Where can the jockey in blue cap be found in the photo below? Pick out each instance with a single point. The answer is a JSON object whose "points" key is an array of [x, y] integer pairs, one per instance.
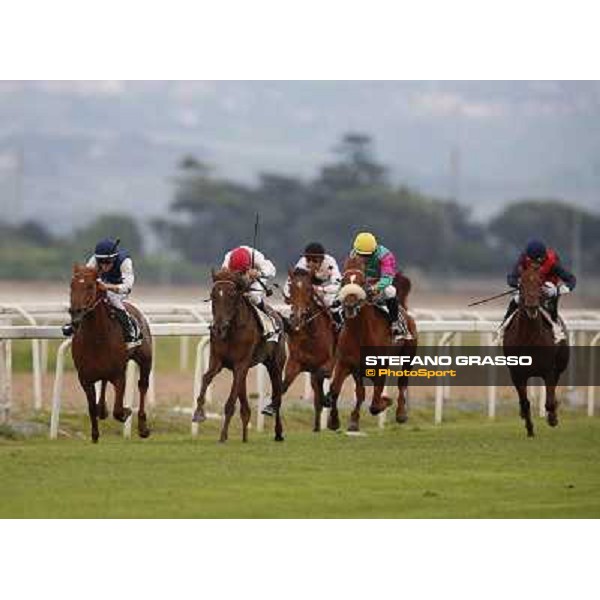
{"points": [[116, 278]]}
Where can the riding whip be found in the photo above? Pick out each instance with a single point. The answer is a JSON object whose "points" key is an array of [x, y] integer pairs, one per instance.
{"points": [[492, 298]]}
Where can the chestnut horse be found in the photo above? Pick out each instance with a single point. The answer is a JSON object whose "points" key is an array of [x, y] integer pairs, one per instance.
{"points": [[99, 350], [236, 343], [311, 338], [364, 325], [530, 331]]}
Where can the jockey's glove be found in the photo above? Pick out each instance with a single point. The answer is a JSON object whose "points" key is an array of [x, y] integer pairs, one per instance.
{"points": [[564, 289], [550, 290]]}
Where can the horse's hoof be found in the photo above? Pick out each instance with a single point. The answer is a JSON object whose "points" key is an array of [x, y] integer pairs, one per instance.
{"points": [[530, 434], [144, 433], [122, 417], [552, 420], [95, 438], [279, 438], [353, 426], [199, 416], [316, 429], [333, 422], [401, 418]]}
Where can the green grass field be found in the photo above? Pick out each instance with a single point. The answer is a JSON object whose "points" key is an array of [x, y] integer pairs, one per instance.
{"points": [[465, 468]]}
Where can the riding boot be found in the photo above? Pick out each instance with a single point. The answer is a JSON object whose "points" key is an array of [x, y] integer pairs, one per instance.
{"points": [[68, 330], [132, 336], [512, 306], [399, 328]]}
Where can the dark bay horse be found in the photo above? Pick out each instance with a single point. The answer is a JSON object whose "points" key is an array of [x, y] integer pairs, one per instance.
{"points": [[237, 344], [364, 325], [99, 350], [311, 339], [529, 333]]}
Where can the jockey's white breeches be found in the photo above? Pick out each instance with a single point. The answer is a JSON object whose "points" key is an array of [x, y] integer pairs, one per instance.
{"points": [[116, 299]]}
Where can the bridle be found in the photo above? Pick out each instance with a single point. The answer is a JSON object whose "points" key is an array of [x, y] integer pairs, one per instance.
{"points": [[238, 297], [305, 320], [87, 310]]}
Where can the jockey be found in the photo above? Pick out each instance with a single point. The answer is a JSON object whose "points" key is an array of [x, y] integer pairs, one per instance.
{"points": [[325, 275], [556, 280], [115, 272], [380, 269], [254, 265]]}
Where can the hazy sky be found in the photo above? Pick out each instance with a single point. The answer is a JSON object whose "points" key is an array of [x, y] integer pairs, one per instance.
{"points": [[88, 147]]}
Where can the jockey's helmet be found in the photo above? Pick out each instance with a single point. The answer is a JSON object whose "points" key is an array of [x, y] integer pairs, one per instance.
{"points": [[106, 249], [535, 250], [314, 250], [240, 260], [365, 243]]}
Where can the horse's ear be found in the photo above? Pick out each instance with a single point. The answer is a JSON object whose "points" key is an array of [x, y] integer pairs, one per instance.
{"points": [[290, 272], [213, 273]]}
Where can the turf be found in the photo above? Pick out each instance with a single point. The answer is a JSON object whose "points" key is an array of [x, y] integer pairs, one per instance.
{"points": [[465, 468]]}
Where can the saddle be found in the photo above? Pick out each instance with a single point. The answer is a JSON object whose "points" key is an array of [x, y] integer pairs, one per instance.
{"points": [[269, 322], [130, 325]]}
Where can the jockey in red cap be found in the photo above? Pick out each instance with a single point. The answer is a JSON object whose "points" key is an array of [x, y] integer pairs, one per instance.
{"points": [[255, 266]]}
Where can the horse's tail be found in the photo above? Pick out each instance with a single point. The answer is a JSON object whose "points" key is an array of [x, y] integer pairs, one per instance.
{"points": [[403, 287]]}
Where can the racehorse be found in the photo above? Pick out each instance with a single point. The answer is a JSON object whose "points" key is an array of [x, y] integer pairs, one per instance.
{"points": [[311, 338], [364, 325], [530, 331], [237, 344], [99, 351]]}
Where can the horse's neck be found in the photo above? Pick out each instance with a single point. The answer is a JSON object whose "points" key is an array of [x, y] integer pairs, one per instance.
{"points": [[97, 321], [531, 331], [364, 325]]}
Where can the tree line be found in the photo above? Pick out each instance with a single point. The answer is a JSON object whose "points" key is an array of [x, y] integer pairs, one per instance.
{"points": [[210, 214]]}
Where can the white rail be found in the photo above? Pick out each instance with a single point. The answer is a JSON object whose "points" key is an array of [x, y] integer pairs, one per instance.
{"points": [[448, 328]]}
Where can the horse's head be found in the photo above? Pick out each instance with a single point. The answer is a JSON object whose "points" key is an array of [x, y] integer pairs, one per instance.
{"points": [[530, 290], [226, 295], [84, 292], [352, 293], [301, 298]]}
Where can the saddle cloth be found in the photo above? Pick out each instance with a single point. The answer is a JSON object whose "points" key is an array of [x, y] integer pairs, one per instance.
{"points": [[268, 323]]}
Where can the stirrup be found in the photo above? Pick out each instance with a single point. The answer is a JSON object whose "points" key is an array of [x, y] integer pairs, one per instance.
{"points": [[134, 344]]}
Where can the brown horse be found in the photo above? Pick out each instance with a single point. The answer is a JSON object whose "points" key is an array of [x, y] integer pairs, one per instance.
{"points": [[409, 347], [311, 339], [364, 325], [529, 333], [236, 343], [99, 350]]}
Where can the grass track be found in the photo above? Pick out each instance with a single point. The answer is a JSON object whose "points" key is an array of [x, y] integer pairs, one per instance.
{"points": [[464, 468]]}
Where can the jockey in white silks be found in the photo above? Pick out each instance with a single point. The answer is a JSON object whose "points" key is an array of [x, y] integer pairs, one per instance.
{"points": [[254, 265], [325, 275], [116, 276]]}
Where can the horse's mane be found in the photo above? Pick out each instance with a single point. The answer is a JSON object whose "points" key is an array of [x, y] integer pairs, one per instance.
{"points": [[354, 262], [226, 275], [83, 270], [300, 272]]}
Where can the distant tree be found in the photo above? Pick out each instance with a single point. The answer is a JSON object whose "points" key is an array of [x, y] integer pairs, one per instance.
{"points": [[356, 167], [552, 221]]}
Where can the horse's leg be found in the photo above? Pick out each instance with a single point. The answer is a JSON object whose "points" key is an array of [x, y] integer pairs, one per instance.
{"points": [[551, 403], [275, 368], [525, 407], [102, 409], [244, 410], [214, 366], [143, 382], [359, 388], [316, 381], [120, 413], [341, 372], [402, 408], [292, 370], [380, 402], [239, 375], [90, 392]]}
